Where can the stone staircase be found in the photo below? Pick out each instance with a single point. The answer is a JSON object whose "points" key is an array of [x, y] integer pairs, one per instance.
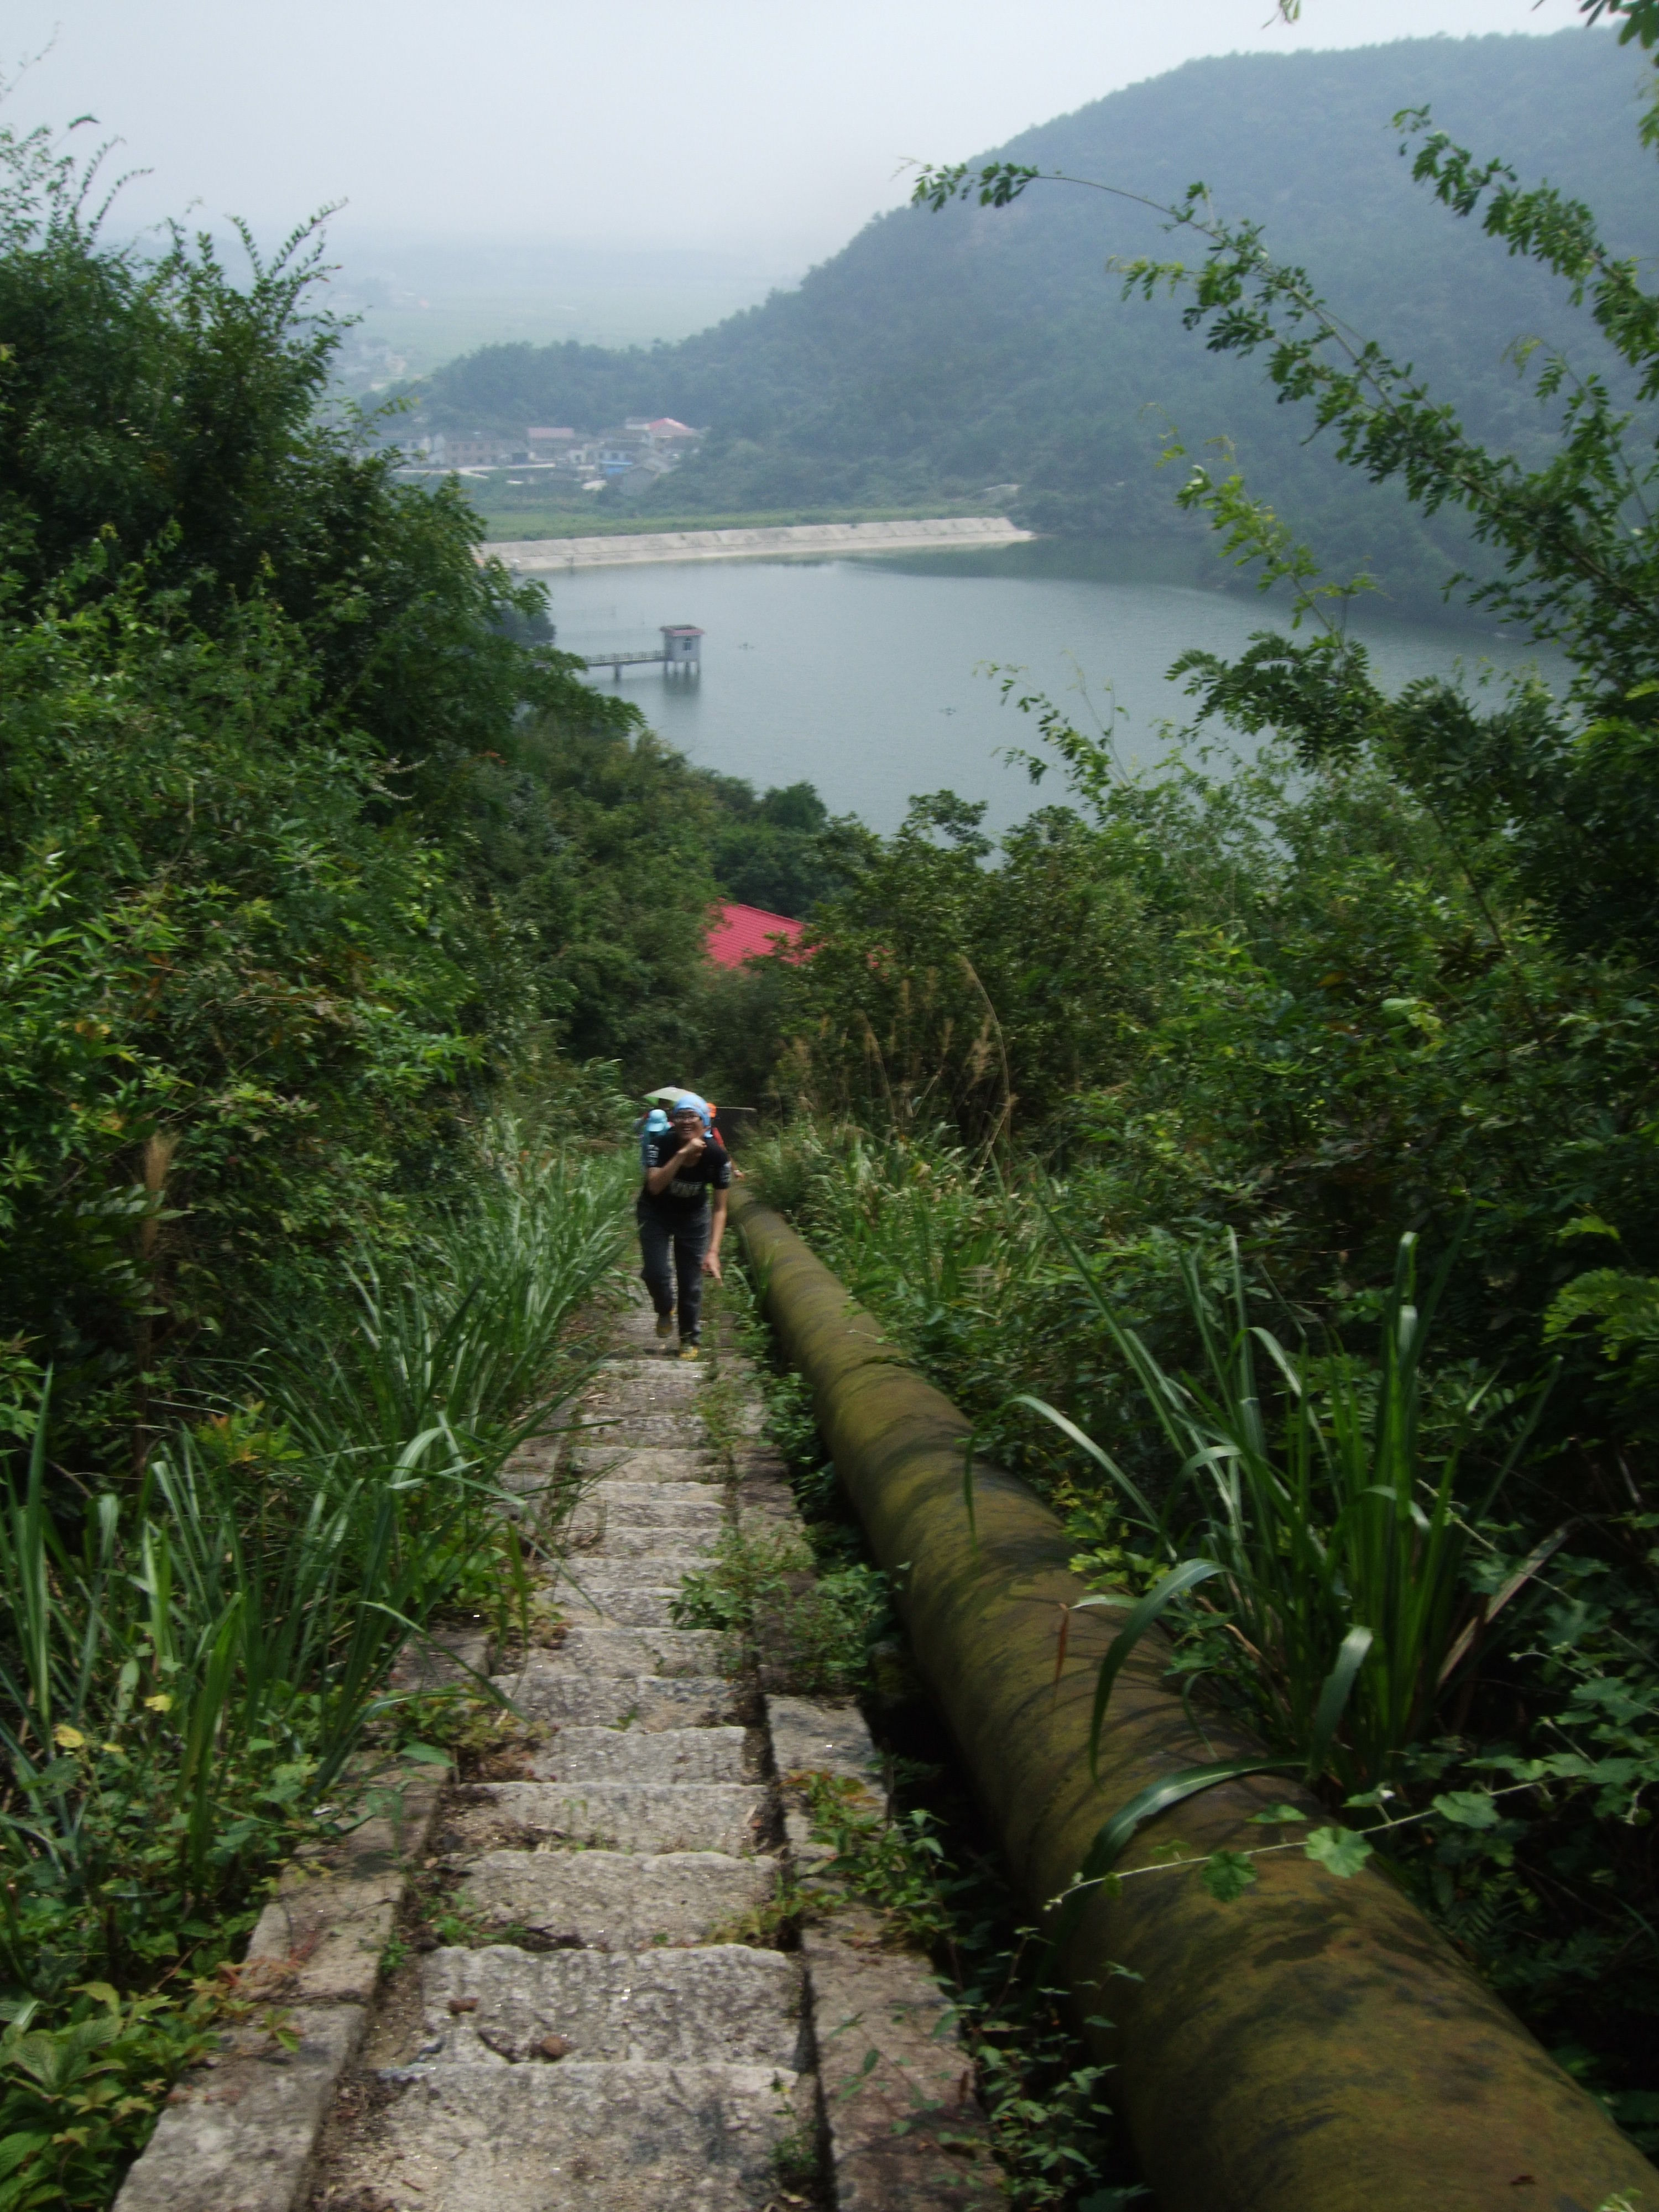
{"points": [[602, 2045], [621, 2032]]}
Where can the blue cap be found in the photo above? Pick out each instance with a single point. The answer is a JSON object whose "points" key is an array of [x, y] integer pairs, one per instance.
{"points": [[688, 1102]]}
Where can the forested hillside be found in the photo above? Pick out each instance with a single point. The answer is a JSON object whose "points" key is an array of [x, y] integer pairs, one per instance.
{"points": [[938, 356]]}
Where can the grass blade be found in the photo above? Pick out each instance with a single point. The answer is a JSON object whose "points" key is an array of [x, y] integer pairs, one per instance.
{"points": [[1333, 1695], [1185, 1577]]}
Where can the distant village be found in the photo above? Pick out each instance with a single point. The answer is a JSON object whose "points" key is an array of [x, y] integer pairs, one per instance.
{"points": [[632, 458]]}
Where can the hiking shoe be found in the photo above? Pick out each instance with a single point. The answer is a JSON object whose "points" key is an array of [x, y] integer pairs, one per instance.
{"points": [[690, 1351], [664, 1327]]}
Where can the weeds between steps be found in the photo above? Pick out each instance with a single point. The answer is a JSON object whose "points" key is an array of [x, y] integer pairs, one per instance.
{"points": [[822, 1610], [1052, 2129], [767, 1592], [923, 1860], [800, 2172]]}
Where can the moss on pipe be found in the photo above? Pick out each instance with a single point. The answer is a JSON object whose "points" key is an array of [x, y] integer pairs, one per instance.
{"points": [[1315, 2047]]}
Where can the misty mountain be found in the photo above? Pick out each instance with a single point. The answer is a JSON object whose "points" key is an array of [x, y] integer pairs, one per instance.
{"points": [[937, 356]]}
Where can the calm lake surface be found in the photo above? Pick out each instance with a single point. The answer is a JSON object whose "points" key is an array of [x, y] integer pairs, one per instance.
{"points": [[863, 677]]}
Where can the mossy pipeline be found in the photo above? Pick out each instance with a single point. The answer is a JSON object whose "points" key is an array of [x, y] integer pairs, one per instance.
{"points": [[1317, 2047]]}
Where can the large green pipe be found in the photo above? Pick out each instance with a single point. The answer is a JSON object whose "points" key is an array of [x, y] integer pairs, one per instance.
{"points": [[1314, 2047]]}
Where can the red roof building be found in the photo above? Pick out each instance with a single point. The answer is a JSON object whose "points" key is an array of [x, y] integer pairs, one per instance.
{"points": [[737, 933]]}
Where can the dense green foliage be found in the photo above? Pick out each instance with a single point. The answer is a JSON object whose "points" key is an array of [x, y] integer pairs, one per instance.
{"points": [[1397, 972], [939, 358], [248, 681], [303, 836]]}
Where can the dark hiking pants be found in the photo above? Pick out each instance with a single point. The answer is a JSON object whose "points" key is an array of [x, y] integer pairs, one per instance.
{"points": [[673, 1255]]}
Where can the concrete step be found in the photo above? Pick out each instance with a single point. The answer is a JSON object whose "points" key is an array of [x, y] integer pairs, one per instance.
{"points": [[729, 2006], [593, 1575], [640, 1342], [578, 2137], [622, 1554], [631, 1386], [638, 1327], [646, 1431], [669, 1391], [612, 1652], [619, 1816], [615, 1602], [624, 1461], [537, 1452], [678, 1550], [614, 1901], [634, 1701], [819, 1739], [648, 1506], [664, 1755], [532, 1480]]}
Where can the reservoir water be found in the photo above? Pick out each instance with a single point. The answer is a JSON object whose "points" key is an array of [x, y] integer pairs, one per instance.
{"points": [[865, 678]]}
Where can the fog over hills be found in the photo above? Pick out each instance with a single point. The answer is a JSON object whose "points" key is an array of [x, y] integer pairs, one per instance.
{"points": [[937, 356]]}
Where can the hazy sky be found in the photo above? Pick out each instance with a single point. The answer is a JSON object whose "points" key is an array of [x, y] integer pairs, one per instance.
{"points": [[761, 126]]}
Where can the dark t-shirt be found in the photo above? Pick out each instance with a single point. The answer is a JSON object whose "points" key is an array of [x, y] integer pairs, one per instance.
{"points": [[687, 1194]]}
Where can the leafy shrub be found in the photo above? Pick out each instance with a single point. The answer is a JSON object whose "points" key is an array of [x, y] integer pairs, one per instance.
{"points": [[77, 2100], [810, 1632]]}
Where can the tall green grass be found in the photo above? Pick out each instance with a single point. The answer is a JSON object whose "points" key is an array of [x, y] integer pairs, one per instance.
{"points": [[470, 1335], [1338, 1538], [188, 1667], [202, 1660], [926, 1231]]}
